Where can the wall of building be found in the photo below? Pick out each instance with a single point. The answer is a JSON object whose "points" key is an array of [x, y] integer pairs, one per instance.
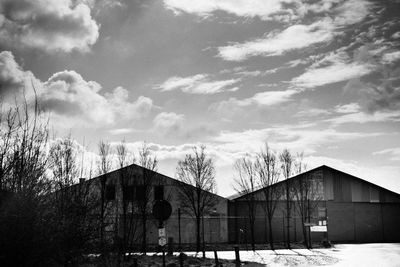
{"points": [[215, 221], [357, 211]]}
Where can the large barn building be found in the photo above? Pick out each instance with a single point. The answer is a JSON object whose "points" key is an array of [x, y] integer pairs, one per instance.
{"points": [[126, 195], [348, 208]]}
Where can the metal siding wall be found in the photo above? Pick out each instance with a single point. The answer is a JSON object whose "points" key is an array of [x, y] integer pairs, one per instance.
{"points": [[391, 222], [340, 221], [368, 222], [328, 185], [365, 192], [356, 191]]}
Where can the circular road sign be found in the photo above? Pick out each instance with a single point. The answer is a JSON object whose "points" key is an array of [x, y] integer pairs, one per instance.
{"points": [[162, 210]]}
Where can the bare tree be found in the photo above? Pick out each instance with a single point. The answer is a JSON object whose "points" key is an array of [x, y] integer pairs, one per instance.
{"points": [[23, 182], [197, 170], [245, 183], [149, 163], [129, 224], [287, 162], [72, 206], [268, 172], [103, 168]]}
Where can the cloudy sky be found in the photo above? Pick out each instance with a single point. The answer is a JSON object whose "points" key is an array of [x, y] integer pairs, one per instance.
{"points": [[321, 77]]}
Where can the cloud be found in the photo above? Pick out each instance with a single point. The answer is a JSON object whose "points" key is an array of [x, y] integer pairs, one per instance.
{"points": [[391, 57], [265, 10], [334, 68], [70, 98], [169, 123], [121, 131], [299, 36], [312, 112], [364, 117], [297, 138], [265, 99], [292, 38], [51, 25], [348, 108], [198, 84], [13, 79], [394, 153]]}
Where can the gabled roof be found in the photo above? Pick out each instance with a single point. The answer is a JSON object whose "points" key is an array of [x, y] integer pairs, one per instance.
{"points": [[133, 165], [239, 195]]}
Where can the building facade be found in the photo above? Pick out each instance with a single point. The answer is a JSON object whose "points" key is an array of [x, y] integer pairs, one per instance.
{"points": [[349, 208], [129, 194]]}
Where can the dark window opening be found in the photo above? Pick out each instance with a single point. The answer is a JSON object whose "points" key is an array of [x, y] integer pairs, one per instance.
{"points": [[128, 192], [140, 192], [158, 192], [110, 192]]}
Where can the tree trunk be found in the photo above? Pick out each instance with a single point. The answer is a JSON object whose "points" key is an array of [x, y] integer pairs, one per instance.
{"points": [[198, 233], [144, 235], [271, 238], [253, 247]]}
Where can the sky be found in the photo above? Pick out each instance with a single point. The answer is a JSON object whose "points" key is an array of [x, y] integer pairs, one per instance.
{"points": [[319, 77]]}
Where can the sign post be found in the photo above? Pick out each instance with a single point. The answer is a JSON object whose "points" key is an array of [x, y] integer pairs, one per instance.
{"points": [[162, 211]]}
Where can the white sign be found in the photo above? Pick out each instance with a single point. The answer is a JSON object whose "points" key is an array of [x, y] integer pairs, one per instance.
{"points": [[319, 228], [161, 232], [162, 241]]}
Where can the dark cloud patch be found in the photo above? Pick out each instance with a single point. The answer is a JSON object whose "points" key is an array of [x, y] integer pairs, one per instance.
{"points": [[61, 107], [12, 78], [48, 25], [386, 96]]}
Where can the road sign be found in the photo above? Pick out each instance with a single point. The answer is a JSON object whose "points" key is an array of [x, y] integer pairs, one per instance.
{"points": [[162, 241], [308, 224], [319, 228], [161, 232], [162, 210]]}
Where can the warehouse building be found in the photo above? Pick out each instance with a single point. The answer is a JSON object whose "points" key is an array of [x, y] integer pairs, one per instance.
{"points": [[126, 195], [342, 208]]}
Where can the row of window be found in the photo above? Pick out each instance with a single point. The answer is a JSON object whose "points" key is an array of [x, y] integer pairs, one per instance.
{"points": [[133, 192]]}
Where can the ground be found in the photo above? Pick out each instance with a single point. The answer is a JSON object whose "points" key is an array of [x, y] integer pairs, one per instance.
{"points": [[340, 255]]}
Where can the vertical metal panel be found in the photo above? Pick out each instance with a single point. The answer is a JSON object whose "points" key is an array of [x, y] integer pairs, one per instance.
{"points": [[346, 188], [338, 188], [374, 194], [365, 192], [328, 185], [356, 191]]}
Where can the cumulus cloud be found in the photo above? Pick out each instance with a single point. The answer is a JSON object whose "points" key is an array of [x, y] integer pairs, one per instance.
{"points": [[13, 79], [198, 84], [52, 25], [169, 123], [68, 95]]}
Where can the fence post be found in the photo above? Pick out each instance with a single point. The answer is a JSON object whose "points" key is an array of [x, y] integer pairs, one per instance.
{"points": [[237, 256], [216, 258]]}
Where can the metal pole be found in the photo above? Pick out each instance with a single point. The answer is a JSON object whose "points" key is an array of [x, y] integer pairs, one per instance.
{"points": [[179, 228], [237, 256], [204, 246]]}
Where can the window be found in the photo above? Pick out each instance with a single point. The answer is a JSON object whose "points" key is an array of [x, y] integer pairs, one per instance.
{"points": [[110, 192], [140, 192], [158, 192], [128, 192]]}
